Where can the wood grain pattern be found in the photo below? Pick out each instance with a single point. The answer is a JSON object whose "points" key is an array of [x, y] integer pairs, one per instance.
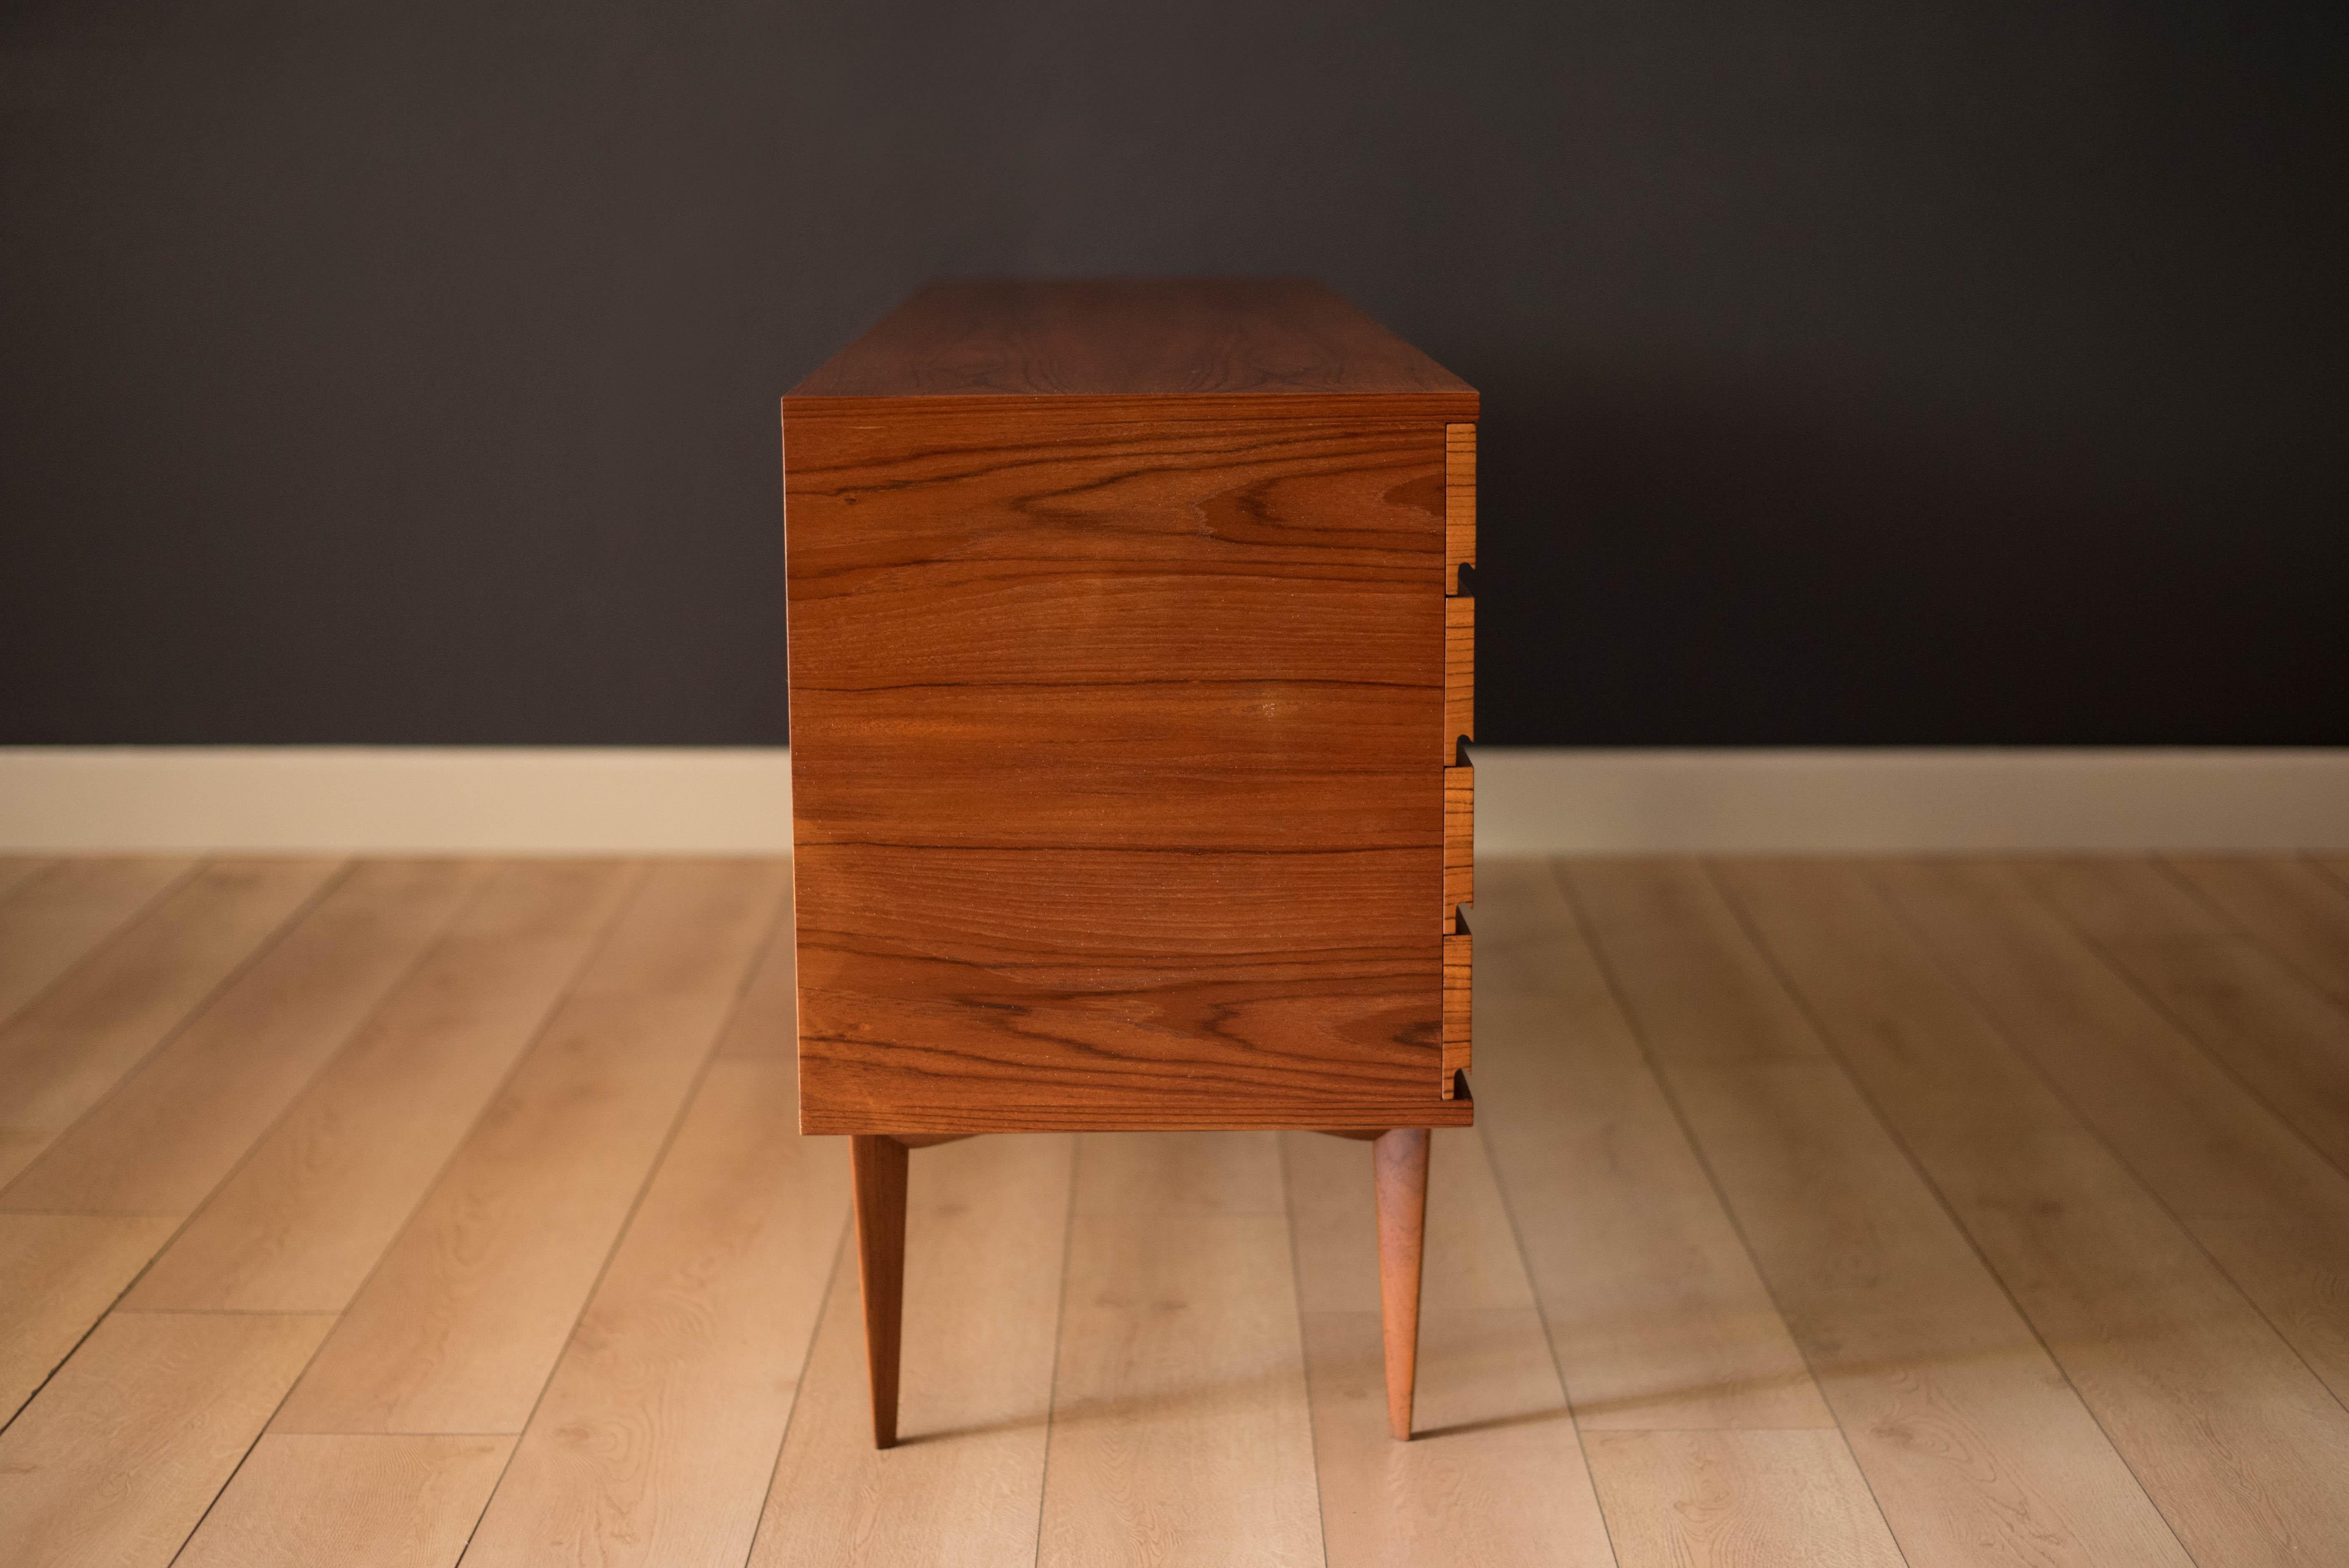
{"points": [[1279, 340], [2270, 1209], [984, 1225], [998, 991], [459, 1326], [1737, 1500], [2216, 1416], [377, 1500], [1976, 1448], [1496, 1475], [1700, 988], [879, 1163], [1459, 674], [178, 1124], [1459, 503], [1459, 1003], [312, 1208], [1255, 764], [1111, 799], [59, 1273], [115, 1460], [1459, 842], [68, 1047], [659, 1428], [2286, 903], [61, 909], [1674, 1329], [2270, 1027], [1180, 1431]]}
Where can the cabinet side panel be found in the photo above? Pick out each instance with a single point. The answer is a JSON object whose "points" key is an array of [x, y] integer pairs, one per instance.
{"points": [[1110, 796]]}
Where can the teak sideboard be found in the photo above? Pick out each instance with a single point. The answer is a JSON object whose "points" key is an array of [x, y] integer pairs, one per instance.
{"points": [[1132, 650]]}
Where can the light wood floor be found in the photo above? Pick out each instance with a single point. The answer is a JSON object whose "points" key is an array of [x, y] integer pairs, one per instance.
{"points": [[1820, 1212]]}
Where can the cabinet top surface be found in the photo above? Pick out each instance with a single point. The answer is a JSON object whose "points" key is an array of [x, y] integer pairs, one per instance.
{"points": [[1213, 337]]}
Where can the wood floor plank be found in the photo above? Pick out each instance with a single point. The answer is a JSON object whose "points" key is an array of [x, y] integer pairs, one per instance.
{"points": [[1684, 965], [64, 908], [1495, 1474], [460, 1323], [15, 869], [1655, 1312], [2285, 902], [659, 1428], [19, 1146], [1977, 1449], [766, 1023], [1964, 1429], [2232, 1434], [59, 1273], [180, 1121], [2274, 1029], [1471, 1262], [66, 1049], [2272, 1211], [987, 1219], [299, 1224], [116, 1460], [377, 1500], [1738, 1500], [323, 1195], [1180, 1428]]}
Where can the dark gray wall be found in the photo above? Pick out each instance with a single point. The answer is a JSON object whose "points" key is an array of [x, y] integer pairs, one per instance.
{"points": [[1939, 372]]}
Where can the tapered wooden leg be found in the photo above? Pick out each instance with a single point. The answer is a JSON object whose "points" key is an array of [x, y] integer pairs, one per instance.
{"points": [[1399, 1160], [880, 1166]]}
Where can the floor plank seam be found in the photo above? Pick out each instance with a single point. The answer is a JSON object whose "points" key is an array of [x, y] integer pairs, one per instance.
{"points": [[113, 935], [228, 980], [537, 1032], [2169, 1015], [2338, 875], [2277, 956], [1949, 1210], [635, 1204], [260, 1431], [196, 1211], [167, 1035], [1585, 933], [1051, 1388], [799, 1384], [586, 1301], [424, 955], [1549, 1343], [425, 1190], [189, 1218], [2030, 1062], [1297, 1281]]}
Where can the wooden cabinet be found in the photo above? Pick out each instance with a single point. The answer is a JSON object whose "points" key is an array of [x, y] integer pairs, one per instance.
{"points": [[1131, 655]]}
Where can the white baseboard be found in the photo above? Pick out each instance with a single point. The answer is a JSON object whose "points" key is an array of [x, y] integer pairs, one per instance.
{"points": [[1537, 800], [1530, 800], [404, 799]]}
